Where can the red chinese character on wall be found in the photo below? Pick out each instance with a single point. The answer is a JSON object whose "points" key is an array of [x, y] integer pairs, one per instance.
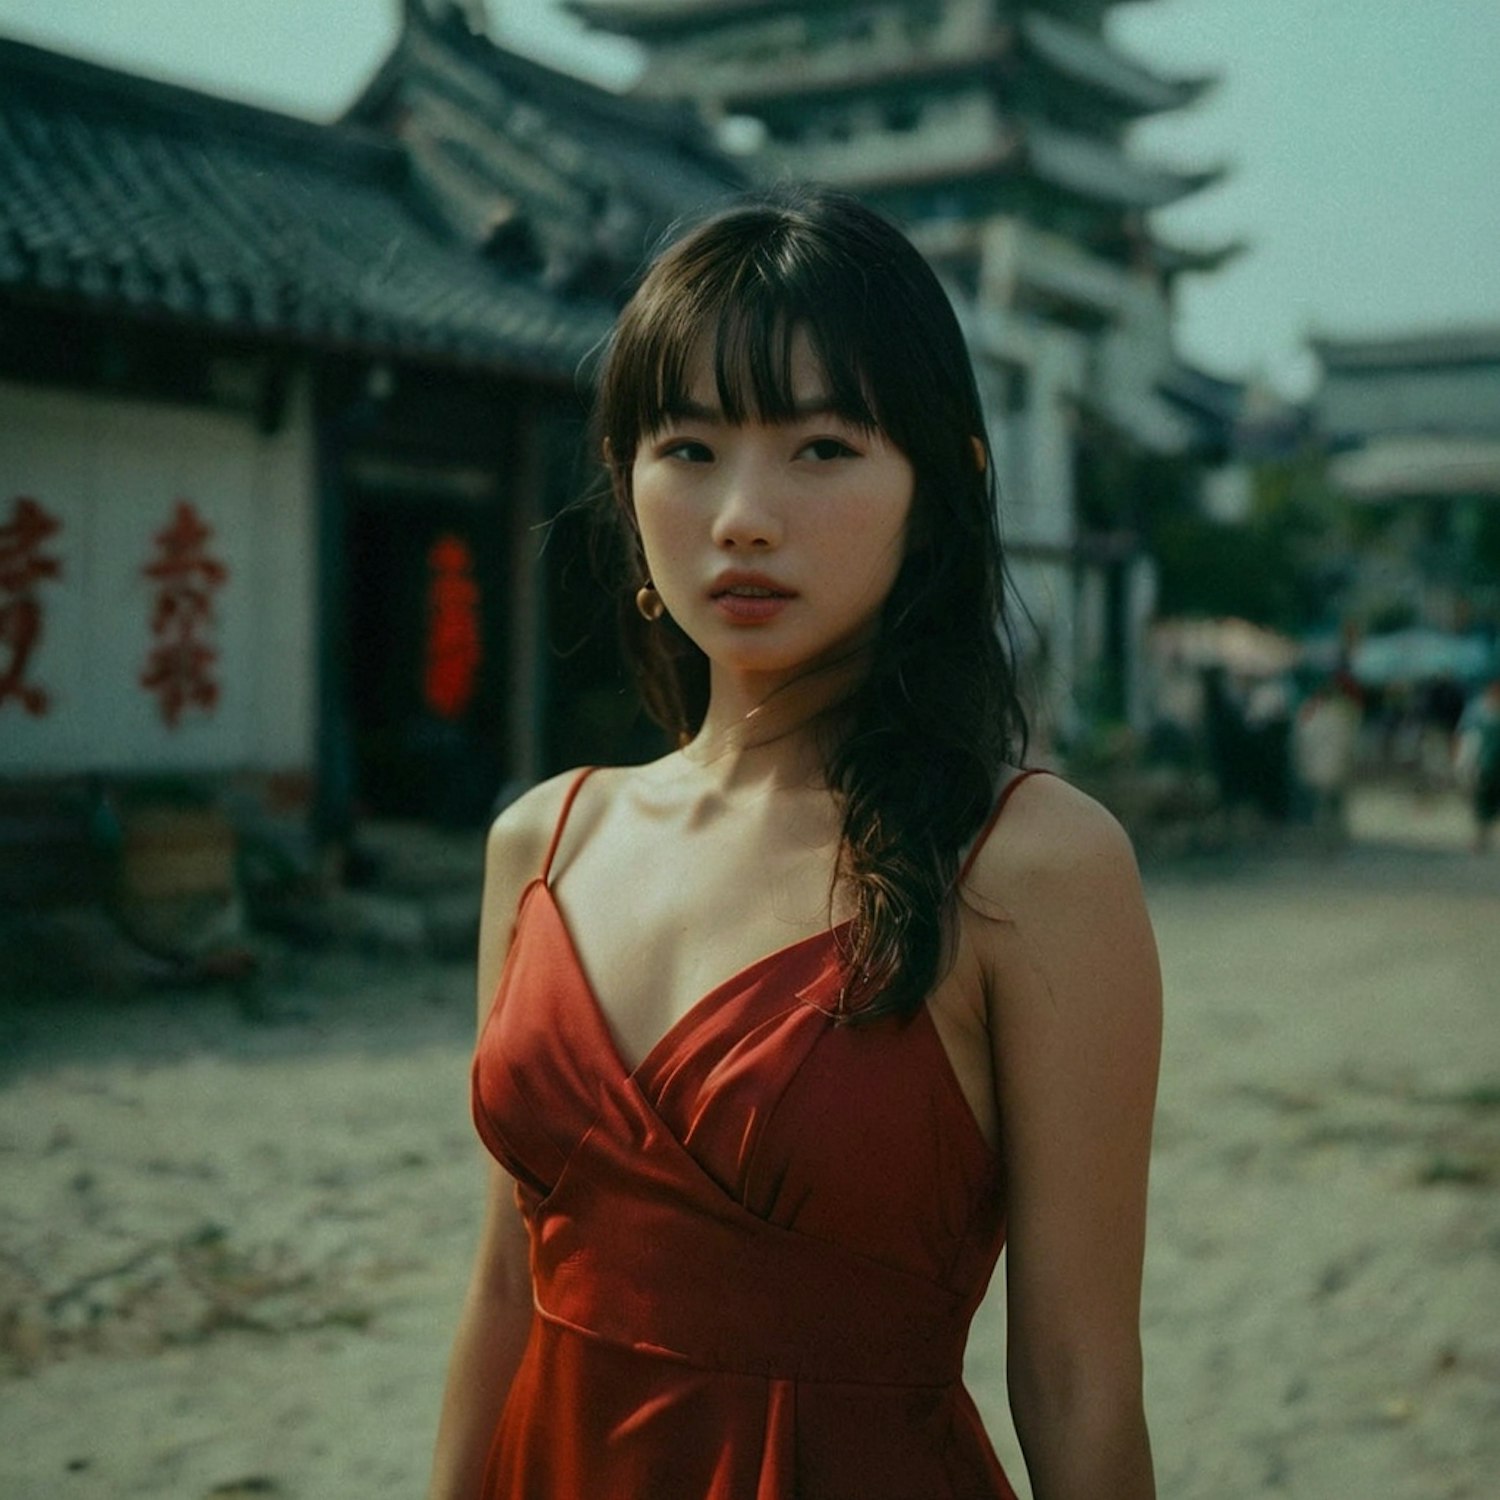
{"points": [[22, 567], [454, 642], [180, 668]]}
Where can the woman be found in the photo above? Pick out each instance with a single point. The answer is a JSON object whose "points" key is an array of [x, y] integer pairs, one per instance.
{"points": [[738, 1226]]}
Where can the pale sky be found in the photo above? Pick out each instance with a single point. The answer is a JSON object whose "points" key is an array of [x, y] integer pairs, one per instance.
{"points": [[1364, 137]]}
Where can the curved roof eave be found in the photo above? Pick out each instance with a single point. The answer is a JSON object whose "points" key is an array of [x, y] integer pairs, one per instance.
{"points": [[1088, 59]]}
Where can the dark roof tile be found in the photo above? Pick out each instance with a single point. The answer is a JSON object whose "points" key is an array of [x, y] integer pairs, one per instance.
{"points": [[124, 193]]}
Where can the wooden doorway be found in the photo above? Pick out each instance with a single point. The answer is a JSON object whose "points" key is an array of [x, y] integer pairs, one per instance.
{"points": [[427, 622]]}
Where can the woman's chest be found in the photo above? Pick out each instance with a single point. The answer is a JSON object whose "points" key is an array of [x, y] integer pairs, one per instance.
{"points": [[683, 925]]}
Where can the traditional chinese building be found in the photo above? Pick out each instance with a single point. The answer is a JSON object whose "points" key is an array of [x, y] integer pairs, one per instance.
{"points": [[285, 409], [996, 131], [1413, 427]]}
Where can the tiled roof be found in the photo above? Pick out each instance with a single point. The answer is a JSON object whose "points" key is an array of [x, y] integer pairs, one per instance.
{"points": [[647, 17], [1473, 345], [1087, 58], [129, 195], [1213, 407], [498, 140], [1173, 256], [1101, 171]]}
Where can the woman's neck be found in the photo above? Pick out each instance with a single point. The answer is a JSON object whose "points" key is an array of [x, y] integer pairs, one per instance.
{"points": [[773, 732]]}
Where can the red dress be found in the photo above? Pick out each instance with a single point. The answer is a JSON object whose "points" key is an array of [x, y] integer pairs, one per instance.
{"points": [[755, 1257]]}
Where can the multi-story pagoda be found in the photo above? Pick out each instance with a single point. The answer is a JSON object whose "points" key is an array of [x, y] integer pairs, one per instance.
{"points": [[996, 131]]}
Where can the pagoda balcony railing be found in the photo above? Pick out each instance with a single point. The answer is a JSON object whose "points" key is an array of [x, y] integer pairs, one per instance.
{"points": [[785, 57]]}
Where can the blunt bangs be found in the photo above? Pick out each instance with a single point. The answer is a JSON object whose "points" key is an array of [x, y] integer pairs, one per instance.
{"points": [[743, 292]]}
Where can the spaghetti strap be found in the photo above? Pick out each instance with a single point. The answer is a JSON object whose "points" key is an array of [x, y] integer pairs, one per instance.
{"points": [[562, 821], [994, 817]]}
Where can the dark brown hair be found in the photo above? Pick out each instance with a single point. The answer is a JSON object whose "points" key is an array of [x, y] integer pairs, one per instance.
{"points": [[923, 736]]}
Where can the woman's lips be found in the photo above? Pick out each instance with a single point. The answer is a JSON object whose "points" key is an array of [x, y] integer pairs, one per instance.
{"points": [[750, 603]]}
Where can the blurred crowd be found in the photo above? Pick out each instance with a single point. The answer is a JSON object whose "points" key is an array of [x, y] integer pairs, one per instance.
{"points": [[1288, 736]]}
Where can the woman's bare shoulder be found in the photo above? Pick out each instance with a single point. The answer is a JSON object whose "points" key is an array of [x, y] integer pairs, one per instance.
{"points": [[514, 853], [1068, 955], [1053, 853], [521, 833], [522, 830]]}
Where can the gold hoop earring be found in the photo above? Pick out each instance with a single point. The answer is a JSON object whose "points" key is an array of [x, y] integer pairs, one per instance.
{"points": [[648, 601]]}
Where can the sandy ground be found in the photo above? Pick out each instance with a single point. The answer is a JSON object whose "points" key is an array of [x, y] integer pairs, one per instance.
{"points": [[233, 1236]]}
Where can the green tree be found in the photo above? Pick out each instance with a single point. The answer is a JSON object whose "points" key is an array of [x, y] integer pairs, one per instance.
{"points": [[1284, 566]]}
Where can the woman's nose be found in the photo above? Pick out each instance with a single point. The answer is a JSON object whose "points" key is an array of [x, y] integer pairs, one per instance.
{"points": [[748, 515]]}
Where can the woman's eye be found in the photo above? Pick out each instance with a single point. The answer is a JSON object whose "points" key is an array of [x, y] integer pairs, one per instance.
{"points": [[688, 451], [826, 448]]}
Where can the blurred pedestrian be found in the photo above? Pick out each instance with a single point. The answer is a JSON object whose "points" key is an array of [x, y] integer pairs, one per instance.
{"points": [[1442, 705], [1477, 759], [1268, 719], [1323, 742]]}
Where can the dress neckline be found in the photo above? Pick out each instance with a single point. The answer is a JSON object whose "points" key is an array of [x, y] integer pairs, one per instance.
{"points": [[724, 991], [693, 1014], [710, 1000]]}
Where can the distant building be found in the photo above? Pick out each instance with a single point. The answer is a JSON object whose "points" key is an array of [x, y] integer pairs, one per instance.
{"points": [[995, 131], [284, 407], [1413, 427]]}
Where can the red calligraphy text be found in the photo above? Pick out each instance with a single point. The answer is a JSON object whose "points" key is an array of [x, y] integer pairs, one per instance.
{"points": [[23, 565], [180, 668]]}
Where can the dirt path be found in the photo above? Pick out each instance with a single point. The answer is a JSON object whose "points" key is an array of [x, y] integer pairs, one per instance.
{"points": [[231, 1251]]}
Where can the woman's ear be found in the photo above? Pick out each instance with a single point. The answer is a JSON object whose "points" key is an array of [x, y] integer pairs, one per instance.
{"points": [[981, 454]]}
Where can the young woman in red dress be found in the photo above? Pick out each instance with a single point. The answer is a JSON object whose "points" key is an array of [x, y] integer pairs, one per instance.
{"points": [[784, 1035]]}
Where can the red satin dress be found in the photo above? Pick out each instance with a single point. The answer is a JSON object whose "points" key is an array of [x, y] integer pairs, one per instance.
{"points": [[755, 1256]]}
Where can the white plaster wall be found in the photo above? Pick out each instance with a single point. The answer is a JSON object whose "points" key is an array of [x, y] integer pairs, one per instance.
{"points": [[112, 470]]}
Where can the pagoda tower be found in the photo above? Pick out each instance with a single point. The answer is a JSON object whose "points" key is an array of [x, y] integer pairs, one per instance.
{"points": [[996, 131]]}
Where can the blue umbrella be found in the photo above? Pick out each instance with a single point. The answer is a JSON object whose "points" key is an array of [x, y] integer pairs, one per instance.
{"points": [[1418, 655]]}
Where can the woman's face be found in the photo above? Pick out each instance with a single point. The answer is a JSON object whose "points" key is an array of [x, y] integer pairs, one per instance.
{"points": [[773, 545]]}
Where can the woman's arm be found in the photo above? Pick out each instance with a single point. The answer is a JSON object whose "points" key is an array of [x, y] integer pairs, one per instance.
{"points": [[1074, 1006], [497, 1312], [492, 1332]]}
